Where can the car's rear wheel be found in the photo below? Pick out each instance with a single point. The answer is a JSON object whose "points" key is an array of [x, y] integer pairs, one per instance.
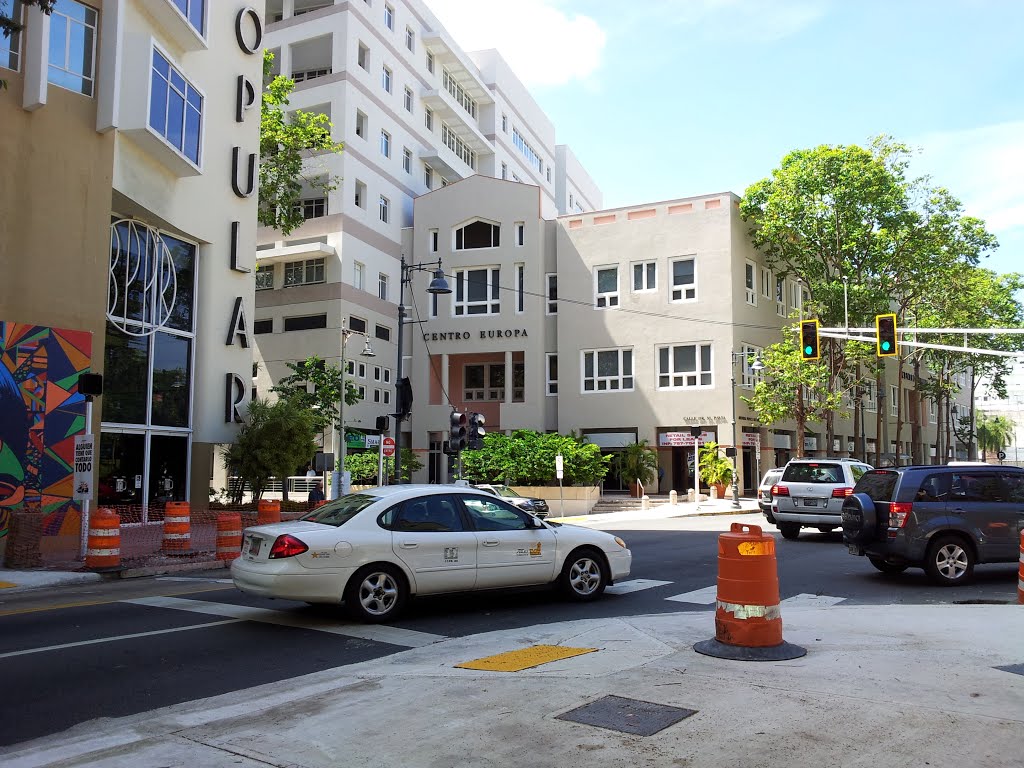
{"points": [[789, 530], [886, 567], [584, 575], [376, 593], [950, 561], [827, 528]]}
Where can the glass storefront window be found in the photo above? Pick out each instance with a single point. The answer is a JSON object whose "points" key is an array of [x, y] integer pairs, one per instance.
{"points": [[172, 358], [168, 468], [120, 468], [125, 378]]}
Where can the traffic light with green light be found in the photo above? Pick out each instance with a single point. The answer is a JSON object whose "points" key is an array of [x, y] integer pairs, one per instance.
{"points": [[809, 340], [886, 344]]}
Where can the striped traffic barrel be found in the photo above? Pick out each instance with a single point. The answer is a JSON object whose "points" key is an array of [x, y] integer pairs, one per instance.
{"points": [[103, 547], [268, 511], [229, 535], [177, 527]]}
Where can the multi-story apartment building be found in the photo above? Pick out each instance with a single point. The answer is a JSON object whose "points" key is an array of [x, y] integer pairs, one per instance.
{"points": [[1010, 407], [415, 113], [127, 245]]}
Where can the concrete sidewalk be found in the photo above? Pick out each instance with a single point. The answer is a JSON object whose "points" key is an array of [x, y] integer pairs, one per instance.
{"points": [[17, 581], [880, 686]]}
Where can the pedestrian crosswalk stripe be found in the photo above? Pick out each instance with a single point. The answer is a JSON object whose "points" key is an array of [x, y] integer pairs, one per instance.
{"points": [[705, 596], [377, 633], [805, 600], [634, 585]]}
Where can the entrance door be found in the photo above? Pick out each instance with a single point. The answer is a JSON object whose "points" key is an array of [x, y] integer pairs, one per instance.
{"points": [[683, 470], [750, 478]]}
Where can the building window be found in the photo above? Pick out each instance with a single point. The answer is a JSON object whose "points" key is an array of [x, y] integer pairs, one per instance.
{"points": [[408, 99], [645, 276], [264, 277], [428, 176], [260, 327], [486, 381], [684, 366], [606, 287], [780, 296], [310, 74], [504, 171], [362, 124], [72, 58], [363, 57], [520, 233], [432, 237], [430, 62], [477, 234], [383, 333], [175, 108], [410, 39], [389, 17], [548, 173], [382, 286], [749, 378], [460, 94], [303, 272], [306, 323], [551, 374], [551, 297], [520, 288], [894, 401], [407, 159], [477, 291], [455, 143], [608, 370], [528, 152], [356, 324], [385, 209], [870, 402], [385, 79], [504, 123], [933, 412], [428, 118], [360, 194], [684, 280], [359, 276], [385, 143], [10, 46], [795, 297], [767, 286], [749, 280], [311, 208]]}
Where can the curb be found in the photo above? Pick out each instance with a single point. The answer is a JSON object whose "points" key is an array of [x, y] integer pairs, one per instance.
{"points": [[160, 570]]}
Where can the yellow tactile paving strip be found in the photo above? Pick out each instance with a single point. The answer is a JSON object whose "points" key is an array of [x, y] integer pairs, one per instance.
{"points": [[524, 658], [7, 584]]}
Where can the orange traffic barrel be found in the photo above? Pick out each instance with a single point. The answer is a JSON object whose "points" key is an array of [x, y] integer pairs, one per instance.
{"points": [[103, 547], [229, 535], [268, 511], [748, 621], [1020, 572], [177, 528]]}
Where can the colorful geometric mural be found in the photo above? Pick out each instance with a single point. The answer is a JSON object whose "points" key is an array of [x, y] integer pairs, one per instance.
{"points": [[40, 414]]}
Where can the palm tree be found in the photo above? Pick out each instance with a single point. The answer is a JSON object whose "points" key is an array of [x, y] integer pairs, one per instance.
{"points": [[637, 462], [994, 433]]}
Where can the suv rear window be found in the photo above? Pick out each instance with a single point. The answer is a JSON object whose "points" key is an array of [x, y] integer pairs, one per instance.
{"points": [[879, 484], [813, 472]]}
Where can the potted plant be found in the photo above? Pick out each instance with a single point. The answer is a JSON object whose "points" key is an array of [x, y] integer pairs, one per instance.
{"points": [[715, 469], [637, 461]]}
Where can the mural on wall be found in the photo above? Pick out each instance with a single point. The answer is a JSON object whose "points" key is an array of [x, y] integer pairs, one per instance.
{"points": [[40, 414]]}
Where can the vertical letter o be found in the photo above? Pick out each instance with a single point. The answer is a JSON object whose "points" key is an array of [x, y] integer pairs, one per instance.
{"points": [[257, 25]]}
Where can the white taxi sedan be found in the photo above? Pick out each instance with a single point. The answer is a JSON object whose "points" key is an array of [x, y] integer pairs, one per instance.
{"points": [[374, 549]]}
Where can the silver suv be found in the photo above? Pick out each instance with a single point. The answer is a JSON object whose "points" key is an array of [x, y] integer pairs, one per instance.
{"points": [[811, 494]]}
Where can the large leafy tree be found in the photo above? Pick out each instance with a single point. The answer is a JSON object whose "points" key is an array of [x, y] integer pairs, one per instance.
{"points": [[287, 138], [528, 458], [274, 440], [325, 398], [364, 466], [994, 433]]}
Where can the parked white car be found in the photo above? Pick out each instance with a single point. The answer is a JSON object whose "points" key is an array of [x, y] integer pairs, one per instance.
{"points": [[375, 549], [764, 493]]}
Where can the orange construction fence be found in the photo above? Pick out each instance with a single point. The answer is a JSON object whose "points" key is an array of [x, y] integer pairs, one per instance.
{"points": [[103, 547], [177, 527], [1020, 572]]}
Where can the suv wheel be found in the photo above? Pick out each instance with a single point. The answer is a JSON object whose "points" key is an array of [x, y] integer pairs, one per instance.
{"points": [[789, 530], [885, 567], [950, 561]]}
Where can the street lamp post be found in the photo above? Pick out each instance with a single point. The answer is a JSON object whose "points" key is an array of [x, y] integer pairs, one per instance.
{"points": [[438, 285], [338, 475], [757, 365]]}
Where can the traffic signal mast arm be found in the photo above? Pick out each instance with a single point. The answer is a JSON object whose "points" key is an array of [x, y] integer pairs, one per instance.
{"points": [[868, 335]]}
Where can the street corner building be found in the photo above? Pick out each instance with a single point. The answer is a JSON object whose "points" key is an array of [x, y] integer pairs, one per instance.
{"points": [[130, 150]]}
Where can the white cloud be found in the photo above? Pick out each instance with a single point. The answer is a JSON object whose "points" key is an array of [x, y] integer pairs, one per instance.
{"points": [[741, 20], [544, 45], [983, 168]]}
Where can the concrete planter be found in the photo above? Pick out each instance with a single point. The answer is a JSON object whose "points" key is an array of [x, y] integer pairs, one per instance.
{"points": [[574, 500]]}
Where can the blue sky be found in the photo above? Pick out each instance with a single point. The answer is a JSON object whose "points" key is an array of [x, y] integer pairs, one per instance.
{"points": [[668, 98]]}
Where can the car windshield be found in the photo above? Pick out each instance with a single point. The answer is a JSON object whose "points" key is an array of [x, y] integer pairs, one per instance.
{"points": [[879, 484], [813, 472], [342, 510], [504, 490]]}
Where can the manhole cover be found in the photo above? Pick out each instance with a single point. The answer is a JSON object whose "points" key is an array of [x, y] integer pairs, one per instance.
{"points": [[641, 718], [1017, 669]]}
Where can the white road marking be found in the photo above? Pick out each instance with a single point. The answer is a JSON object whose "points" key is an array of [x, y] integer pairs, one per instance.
{"points": [[805, 600], [378, 633], [117, 637], [634, 585], [706, 596]]}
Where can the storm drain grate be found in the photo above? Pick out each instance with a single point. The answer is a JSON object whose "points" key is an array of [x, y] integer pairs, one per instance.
{"points": [[1017, 669], [641, 718]]}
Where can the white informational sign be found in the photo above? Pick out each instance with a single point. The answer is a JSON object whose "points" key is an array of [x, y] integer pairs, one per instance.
{"points": [[674, 439], [559, 467], [84, 446], [372, 441]]}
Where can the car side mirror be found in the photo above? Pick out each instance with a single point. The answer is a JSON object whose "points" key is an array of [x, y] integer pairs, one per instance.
{"points": [[533, 522]]}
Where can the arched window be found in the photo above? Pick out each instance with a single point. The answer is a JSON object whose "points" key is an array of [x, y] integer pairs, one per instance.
{"points": [[477, 234]]}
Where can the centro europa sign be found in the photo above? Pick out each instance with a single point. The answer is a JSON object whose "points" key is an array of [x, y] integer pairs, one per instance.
{"points": [[499, 333]]}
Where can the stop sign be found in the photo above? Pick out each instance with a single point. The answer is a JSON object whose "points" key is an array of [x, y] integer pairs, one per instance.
{"points": [[388, 446]]}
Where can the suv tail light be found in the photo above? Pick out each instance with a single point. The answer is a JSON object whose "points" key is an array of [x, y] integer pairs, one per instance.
{"points": [[780, 490], [287, 546], [899, 511], [841, 493]]}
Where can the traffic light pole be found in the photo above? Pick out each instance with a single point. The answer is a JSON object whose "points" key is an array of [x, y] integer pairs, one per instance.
{"points": [[403, 275]]}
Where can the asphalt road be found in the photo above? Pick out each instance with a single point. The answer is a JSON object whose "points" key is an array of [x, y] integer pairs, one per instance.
{"points": [[123, 647]]}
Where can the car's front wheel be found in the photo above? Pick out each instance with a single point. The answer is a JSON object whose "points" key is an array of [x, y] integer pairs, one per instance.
{"points": [[376, 593], [583, 576], [950, 561]]}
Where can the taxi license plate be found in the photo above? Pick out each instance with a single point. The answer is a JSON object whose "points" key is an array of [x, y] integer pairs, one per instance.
{"points": [[810, 502], [254, 545]]}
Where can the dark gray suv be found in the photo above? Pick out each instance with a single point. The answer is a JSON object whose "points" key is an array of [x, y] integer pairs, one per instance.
{"points": [[945, 519]]}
